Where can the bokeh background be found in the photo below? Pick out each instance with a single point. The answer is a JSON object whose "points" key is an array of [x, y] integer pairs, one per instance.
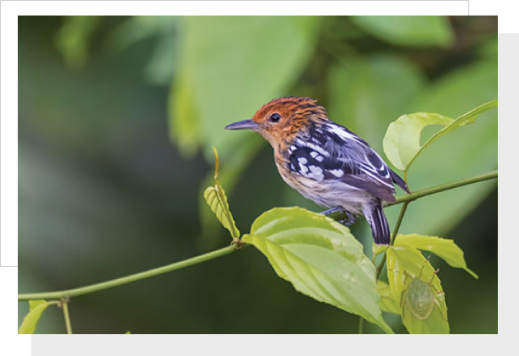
{"points": [[117, 116]]}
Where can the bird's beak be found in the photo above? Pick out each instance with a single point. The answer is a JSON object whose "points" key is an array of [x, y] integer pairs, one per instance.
{"points": [[243, 125]]}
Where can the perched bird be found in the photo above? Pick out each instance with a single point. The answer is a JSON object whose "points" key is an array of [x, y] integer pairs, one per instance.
{"points": [[326, 162]]}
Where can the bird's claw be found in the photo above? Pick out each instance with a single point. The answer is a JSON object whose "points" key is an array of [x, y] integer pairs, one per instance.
{"points": [[350, 218]]}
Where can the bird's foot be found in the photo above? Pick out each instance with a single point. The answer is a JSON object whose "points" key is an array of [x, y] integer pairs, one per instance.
{"points": [[350, 218]]}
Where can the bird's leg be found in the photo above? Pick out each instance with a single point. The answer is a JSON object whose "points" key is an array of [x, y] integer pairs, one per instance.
{"points": [[350, 218], [335, 209]]}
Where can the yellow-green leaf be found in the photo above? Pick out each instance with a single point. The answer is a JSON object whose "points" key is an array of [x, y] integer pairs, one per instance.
{"points": [[320, 258], [36, 309], [402, 140], [404, 263], [444, 248], [378, 249], [387, 302], [217, 201]]}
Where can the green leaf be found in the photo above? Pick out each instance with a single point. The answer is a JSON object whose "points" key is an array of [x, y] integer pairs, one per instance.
{"points": [[320, 258], [420, 31], [403, 264], [36, 309], [217, 201], [387, 302], [444, 248], [402, 140]]}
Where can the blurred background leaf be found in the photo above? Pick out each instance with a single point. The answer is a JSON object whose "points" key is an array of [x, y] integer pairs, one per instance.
{"points": [[116, 119], [369, 93], [421, 31], [73, 39]]}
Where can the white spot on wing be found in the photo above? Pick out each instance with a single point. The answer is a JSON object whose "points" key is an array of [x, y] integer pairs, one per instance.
{"points": [[317, 156], [337, 172], [316, 173], [302, 164]]}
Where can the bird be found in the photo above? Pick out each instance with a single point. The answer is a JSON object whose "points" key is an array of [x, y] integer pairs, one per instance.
{"points": [[325, 162]]}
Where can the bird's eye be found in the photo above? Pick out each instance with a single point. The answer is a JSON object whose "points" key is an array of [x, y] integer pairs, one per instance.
{"points": [[274, 117]]}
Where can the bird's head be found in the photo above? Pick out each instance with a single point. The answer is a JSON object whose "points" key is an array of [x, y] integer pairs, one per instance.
{"points": [[282, 118]]}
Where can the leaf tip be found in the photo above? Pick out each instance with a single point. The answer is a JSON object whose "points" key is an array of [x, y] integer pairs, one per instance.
{"points": [[472, 273]]}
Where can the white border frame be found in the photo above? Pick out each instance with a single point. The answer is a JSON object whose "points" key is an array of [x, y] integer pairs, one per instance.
{"points": [[253, 345]]}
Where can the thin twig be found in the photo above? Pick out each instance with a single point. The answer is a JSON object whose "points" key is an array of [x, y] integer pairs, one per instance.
{"points": [[64, 303], [128, 279]]}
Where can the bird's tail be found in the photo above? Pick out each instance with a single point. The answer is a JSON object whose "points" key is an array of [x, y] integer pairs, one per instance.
{"points": [[377, 221]]}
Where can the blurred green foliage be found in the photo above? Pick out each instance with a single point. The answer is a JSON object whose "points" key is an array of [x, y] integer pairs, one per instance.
{"points": [[420, 31], [116, 119]]}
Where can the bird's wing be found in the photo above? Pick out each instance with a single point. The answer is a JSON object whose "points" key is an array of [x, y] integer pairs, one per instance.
{"points": [[331, 152]]}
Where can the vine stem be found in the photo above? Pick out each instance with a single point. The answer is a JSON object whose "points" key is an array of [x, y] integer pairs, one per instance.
{"points": [[429, 191], [443, 187], [128, 279], [227, 250], [66, 315]]}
